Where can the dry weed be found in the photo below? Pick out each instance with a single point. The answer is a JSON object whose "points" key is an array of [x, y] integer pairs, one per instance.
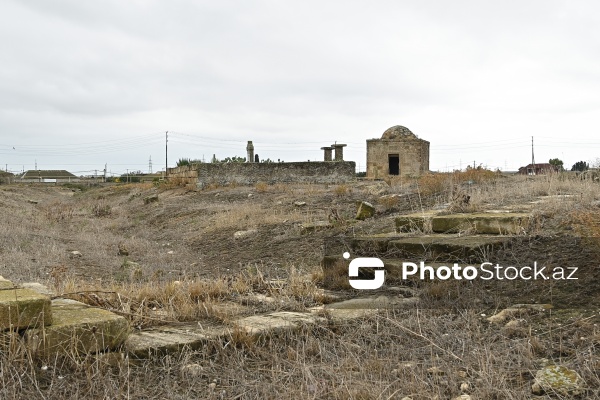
{"points": [[341, 190], [261, 187]]}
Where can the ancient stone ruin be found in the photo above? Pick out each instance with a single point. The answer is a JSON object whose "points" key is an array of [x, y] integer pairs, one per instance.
{"points": [[399, 152], [333, 170]]}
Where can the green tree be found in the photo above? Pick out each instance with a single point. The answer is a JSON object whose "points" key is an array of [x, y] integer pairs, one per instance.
{"points": [[557, 163], [183, 161], [234, 159], [580, 166], [134, 177], [187, 161]]}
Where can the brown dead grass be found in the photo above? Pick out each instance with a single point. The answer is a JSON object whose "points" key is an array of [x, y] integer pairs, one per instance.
{"points": [[384, 355]]}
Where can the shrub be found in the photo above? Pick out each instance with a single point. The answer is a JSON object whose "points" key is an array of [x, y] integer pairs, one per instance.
{"points": [[101, 209]]}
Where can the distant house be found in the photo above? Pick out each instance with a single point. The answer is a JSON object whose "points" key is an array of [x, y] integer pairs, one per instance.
{"points": [[538, 169], [49, 176]]}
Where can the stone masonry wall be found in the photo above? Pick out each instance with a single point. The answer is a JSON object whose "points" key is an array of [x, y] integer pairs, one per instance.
{"points": [[413, 153], [251, 173]]}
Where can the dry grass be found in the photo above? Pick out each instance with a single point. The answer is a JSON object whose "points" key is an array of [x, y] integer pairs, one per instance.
{"points": [[341, 190], [387, 355], [423, 354], [261, 187]]}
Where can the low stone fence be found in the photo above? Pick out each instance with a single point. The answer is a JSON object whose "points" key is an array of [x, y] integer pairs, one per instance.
{"points": [[333, 172]]}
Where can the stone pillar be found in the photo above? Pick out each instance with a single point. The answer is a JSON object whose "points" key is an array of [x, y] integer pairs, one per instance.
{"points": [[327, 153], [250, 151], [339, 151]]}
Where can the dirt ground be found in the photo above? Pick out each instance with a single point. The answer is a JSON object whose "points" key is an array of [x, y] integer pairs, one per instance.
{"points": [[185, 233]]}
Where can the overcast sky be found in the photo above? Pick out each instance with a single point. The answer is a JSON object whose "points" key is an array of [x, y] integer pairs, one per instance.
{"points": [[84, 83]]}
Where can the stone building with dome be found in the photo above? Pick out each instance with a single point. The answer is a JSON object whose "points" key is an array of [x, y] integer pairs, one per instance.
{"points": [[399, 152]]}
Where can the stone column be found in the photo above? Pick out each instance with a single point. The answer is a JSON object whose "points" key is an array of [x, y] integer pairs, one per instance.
{"points": [[327, 153], [250, 151], [339, 151]]}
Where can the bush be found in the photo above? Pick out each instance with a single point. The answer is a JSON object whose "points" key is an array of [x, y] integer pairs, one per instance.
{"points": [[580, 166]]}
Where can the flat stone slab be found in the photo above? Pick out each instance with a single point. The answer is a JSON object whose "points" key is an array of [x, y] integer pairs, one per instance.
{"points": [[22, 308], [482, 223], [172, 338], [78, 329], [342, 314], [415, 222], [315, 226], [518, 310], [273, 323], [447, 248], [373, 303], [5, 284]]}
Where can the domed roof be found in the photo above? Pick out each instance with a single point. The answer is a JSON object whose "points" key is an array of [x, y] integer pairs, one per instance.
{"points": [[398, 132]]}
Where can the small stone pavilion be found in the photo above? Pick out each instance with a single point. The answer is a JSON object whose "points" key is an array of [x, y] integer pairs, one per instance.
{"points": [[399, 152]]}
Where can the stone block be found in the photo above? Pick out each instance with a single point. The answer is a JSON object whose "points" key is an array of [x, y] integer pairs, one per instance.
{"points": [[273, 323], [78, 329], [365, 210], [22, 308], [482, 223], [168, 339]]}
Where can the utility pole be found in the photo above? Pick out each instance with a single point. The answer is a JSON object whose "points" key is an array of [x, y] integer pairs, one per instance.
{"points": [[532, 157], [166, 153], [104, 172], [150, 165]]}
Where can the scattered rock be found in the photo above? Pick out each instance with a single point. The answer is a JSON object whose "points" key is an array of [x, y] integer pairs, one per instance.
{"points": [[258, 298], [299, 203], [557, 379], [243, 234], [461, 374], [250, 195], [192, 371], [464, 386], [123, 250], [517, 310], [365, 210], [32, 201], [130, 270], [75, 254], [435, 371], [516, 323], [151, 199], [377, 189]]}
